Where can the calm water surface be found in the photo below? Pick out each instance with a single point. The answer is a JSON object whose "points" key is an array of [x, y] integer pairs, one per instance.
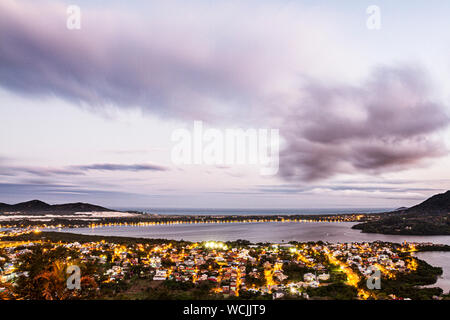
{"points": [[256, 232], [438, 259]]}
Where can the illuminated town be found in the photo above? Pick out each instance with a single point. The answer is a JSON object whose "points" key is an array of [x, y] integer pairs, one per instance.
{"points": [[42, 221], [156, 269]]}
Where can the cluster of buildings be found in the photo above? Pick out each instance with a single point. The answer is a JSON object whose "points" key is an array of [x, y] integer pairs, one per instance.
{"points": [[277, 269], [11, 251], [366, 257]]}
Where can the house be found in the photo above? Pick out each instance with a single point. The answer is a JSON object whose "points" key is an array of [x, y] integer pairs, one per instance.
{"points": [[160, 275], [308, 277], [324, 276], [278, 294], [400, 263]]}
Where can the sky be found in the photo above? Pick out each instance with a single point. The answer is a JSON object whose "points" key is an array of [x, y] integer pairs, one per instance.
{"points": [[88, 114]]}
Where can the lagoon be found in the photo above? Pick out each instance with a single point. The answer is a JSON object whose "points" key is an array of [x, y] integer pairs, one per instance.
{"points": [[275, 232]]}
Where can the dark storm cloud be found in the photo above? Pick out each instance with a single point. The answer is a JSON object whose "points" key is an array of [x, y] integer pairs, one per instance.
{"points": [[170, 70], [386, 124]]}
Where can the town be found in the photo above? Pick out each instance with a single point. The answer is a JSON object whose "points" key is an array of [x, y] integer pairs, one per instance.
{"points": [[98, 220], [162, 269]]}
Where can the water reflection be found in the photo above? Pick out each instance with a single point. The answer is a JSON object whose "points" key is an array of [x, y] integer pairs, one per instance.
{"points": [[439, 259], [257, 232]]}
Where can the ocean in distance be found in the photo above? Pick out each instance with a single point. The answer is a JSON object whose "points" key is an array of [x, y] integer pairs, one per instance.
{"points": [[243, 212]]}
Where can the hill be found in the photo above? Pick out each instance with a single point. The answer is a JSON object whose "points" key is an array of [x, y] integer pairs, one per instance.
{"points": [[436, 205], [37, 206], [430, 217]]}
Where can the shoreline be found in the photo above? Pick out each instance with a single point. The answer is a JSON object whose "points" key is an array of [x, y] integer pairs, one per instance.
{"points": [[272, 231], [374, 223], [423, 247]]}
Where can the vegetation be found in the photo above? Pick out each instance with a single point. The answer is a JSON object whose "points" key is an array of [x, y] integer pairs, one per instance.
{"points": [[296, 272], [46, 268], [408, 285], [73, 237], [408, 225], [434, 247], [337, 291]]}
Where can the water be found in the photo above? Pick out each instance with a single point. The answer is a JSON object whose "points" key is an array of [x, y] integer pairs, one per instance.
{"points": [[438, 259], [257, 232], [210, 211]]}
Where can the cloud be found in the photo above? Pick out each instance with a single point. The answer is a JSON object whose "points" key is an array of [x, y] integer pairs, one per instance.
{"points": [[216, 62], [330, 191], [76, 169], [205, 64], [29, 189], [293, 189], [55, 193], [37, 171], [385, 124], [120, 167]]}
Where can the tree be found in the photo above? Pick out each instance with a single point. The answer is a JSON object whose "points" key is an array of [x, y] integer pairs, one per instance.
{"points": [[7, 291], [46, 275], [53, 282]]}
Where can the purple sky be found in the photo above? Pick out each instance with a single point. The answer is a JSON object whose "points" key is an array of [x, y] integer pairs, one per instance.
{"points": [[87, 115]]}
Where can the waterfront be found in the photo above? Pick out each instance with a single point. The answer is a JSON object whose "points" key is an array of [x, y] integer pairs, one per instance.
{"points": [[438, 259], [256, 232], [278, 232]]}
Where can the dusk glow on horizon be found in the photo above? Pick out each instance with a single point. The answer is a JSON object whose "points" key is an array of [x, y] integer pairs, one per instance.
{"points": [[90, 98]]}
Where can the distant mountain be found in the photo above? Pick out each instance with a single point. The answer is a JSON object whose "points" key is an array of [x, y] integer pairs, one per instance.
{"points": [[431, 217], [33, 205], [37, 206], [79, 207], [4, 206]]}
